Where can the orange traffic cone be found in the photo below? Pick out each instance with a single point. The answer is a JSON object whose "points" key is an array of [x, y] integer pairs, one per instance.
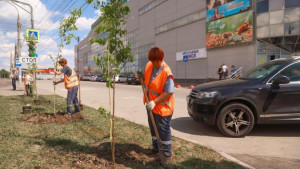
{"points": [[178, 86], [191, 86]]}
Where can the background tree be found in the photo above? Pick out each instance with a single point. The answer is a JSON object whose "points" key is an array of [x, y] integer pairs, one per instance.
{"points": [[117, 54], [4, 73]]}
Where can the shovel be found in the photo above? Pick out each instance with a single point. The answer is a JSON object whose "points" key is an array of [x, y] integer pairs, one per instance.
{"points": [[161, 155], [81, 105]]}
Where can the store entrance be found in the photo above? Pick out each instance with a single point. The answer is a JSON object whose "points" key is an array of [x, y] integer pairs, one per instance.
{"points": [[273, 57], [267, 52]]}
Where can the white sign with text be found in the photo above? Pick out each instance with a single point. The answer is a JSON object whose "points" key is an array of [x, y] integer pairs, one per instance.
{"points": [[27, 59], [192, 54]]}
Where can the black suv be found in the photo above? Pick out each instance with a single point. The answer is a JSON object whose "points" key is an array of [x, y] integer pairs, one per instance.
{"points": [[269, 93]]}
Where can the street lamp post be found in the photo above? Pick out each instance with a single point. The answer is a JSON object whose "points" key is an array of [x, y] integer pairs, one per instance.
{"points": [[31, 10], [19, 42], [16, 2]]}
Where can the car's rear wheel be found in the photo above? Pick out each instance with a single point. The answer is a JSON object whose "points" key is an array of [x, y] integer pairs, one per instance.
{"points": [[235, 120]]}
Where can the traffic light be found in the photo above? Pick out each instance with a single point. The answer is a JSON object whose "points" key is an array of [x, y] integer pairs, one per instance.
{"points": [[31, 49]]}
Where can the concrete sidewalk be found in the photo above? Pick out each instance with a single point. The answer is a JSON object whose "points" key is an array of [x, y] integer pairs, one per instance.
{"points": [[6, 88]]}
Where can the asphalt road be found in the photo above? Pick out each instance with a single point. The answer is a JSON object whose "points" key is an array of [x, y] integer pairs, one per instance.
{"points": [[266, 146]]}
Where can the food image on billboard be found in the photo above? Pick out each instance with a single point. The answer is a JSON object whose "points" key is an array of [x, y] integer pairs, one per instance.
{"points": [[230, 31], [226, 8]]}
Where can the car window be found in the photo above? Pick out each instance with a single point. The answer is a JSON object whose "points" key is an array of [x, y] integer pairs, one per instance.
{"points": [[292, 72], [262, 71]]}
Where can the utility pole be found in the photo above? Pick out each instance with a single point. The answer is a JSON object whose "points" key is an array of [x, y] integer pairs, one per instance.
{"points": [[15, 58], [19, 49], [31, 10], [11, 62], [16, 2]]}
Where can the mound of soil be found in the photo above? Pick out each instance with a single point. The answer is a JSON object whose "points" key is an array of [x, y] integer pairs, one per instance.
{"points": [[102, 160], [59, 117]]}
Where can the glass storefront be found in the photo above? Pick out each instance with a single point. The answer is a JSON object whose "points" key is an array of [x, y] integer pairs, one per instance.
{"points": [[266, 52], [132, 39], [279, 25]]}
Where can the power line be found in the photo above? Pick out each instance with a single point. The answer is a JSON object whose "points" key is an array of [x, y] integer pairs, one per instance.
{"points": [[57, 32], [37, 4], [57, 18], [45, 48]]}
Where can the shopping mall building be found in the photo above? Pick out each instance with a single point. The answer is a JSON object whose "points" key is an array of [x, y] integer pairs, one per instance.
{"points": [[197, 36]]}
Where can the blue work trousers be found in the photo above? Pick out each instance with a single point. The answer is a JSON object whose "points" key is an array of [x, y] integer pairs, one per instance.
{"points": [[72, 100], [163, 125], [13, 82]]}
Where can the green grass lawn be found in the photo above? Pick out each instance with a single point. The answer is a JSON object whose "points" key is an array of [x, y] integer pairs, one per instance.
{"points": [[86, 144]]}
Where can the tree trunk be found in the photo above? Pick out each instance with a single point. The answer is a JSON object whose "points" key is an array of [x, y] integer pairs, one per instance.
{"points": [[54, 104], [113, 118], [54, 99]]}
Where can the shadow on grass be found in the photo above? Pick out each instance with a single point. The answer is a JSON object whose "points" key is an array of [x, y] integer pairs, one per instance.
{"points": [[135, 156]]}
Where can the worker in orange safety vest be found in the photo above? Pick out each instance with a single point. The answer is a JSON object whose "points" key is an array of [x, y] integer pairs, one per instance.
{"points": [[159, 86], [71, 84], [27, 83]]}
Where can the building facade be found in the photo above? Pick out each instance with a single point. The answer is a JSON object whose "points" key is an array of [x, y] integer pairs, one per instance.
{"points": [[197, 36]]}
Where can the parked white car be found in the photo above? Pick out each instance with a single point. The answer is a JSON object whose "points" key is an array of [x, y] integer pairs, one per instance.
{"points": [[39, 77], [122, 78], [87, 77]]}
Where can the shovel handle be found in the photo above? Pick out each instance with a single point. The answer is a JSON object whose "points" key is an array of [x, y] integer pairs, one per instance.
{"points": [[162, 158]]}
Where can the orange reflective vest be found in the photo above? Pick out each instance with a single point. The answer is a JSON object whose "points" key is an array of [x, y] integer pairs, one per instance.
{"points": [[71, 81], [156, 88], [25, 80]]}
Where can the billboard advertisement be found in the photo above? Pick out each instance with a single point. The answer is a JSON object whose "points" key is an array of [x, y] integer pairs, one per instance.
{"points": [[224, 8], [232, 30]]}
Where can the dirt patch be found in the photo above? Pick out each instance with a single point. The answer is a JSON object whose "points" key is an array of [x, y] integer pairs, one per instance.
{"points": [[101, 158], [61, 118], [42, 102]]}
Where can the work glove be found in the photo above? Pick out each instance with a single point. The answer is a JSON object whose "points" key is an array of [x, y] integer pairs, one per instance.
{"points": [[150, 106]]}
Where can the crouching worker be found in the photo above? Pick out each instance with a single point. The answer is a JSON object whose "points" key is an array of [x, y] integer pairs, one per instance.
{"points": [[71, 84], [159, 86], [27, 83]]}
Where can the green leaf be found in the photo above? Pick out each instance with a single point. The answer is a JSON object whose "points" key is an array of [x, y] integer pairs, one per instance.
{"points": [[92, 41]]}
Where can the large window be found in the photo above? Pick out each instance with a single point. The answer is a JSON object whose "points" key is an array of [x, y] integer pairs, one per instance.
{"points": [[262, 6], [292, 3], [292, 15], [276, 30], [291, 28], [276, 5], [276, 17], [262, 19], [292, 72], [262, 32]]}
